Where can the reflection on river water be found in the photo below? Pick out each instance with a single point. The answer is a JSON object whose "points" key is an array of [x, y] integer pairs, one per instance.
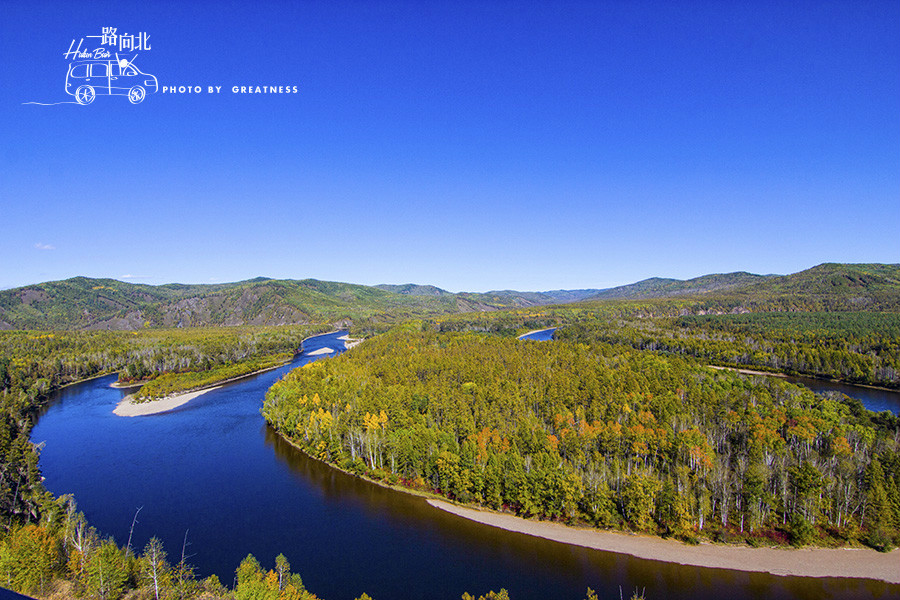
{"points": [[213, 469]]}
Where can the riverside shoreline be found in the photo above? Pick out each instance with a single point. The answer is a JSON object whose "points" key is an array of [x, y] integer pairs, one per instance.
{"points": [[127, 407], [747, 371], [853, 563], [825, 380], [350, 342], [863, 563]]}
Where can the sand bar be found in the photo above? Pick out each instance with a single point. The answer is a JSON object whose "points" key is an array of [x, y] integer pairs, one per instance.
{"points": [[349, 342], [128, 408], [804, 562], [125, 386], [321, 351]]}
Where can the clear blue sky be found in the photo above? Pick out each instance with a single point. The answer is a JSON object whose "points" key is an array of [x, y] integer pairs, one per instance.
{"points": [[469, 145]]}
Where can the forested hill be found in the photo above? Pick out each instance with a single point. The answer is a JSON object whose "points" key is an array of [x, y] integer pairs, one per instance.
{"points": [[659, 287], [85, 303], [497, 297], [412, 289], [829, 286]]}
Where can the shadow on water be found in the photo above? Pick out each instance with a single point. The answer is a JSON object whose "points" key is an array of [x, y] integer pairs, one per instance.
{"points": [[474, 557]]}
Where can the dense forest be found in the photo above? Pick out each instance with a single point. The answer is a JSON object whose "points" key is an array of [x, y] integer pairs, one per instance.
{"points": [[599, 433], [858, 347]]}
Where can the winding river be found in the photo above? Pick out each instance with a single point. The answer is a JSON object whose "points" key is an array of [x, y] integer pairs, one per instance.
{"points": [[213, 471]]}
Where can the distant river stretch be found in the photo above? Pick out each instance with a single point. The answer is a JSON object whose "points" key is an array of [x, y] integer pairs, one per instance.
{"points": [[213, 469]]}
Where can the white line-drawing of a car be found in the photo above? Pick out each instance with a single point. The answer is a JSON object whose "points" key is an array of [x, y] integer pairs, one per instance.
{"points": [[111, 77]]}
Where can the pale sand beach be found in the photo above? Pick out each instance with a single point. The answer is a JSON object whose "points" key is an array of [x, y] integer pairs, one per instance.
{"points": [[805, 562], [125, 386], [127, 408], [349, 342], [747, 371], [321, 351]]}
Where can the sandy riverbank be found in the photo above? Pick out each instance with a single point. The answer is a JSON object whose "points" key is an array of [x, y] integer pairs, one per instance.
{"points": [[320, 351], [804, 562], [125, 386], [128, 408], [747, 371], [860, 563], [349, 342]]}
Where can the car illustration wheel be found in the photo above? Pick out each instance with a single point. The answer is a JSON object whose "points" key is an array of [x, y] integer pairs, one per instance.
{"points": [[85, 94], [136, 94]]}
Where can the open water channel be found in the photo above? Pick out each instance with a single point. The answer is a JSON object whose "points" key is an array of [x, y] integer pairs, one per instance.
{"points": [[214, 471]]}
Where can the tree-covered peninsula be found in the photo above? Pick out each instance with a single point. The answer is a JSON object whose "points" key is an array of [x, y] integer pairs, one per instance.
{"points": [[599, 433]]}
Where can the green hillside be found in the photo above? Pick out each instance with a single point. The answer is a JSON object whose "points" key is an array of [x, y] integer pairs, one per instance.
{"points": [[657, 287], [841, 280], [86, 303], [413, 289], [829, 286]]}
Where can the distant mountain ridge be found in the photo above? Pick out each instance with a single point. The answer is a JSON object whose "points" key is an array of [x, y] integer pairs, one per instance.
{"points": [[551, 297], [86, 303], [512, 297], [657, 287], [89, 303], [413, 289], [829, 286]]}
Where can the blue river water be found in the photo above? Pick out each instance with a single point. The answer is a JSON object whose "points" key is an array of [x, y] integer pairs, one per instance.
{"points": [[542, 335], [213, 471], [874, 399]]}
